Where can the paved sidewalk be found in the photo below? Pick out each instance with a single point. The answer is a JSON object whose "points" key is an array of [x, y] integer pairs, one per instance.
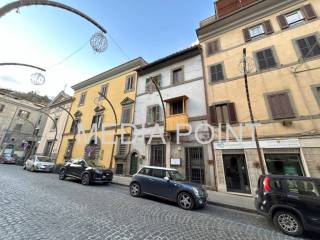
{"points": [[219, 198]]}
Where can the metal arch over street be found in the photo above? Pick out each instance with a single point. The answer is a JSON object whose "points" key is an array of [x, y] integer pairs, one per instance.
{"points": [[24, 3], [22, 64]]}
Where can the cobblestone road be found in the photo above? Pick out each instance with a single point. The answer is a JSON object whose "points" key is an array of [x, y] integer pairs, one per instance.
{"points": [[39, 206]]}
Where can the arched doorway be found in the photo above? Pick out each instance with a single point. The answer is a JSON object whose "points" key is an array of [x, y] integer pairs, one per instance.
{"points": [[134, 163]]}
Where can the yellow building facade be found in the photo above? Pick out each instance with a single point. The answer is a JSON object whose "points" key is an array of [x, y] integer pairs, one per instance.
{"points": [[282, 45], [90, 109]]}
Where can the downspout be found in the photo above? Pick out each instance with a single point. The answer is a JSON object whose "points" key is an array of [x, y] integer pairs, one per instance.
{"points": [[205, 83]]}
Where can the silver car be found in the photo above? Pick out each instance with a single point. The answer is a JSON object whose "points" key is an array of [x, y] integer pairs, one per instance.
{"points": [[39, 163]]}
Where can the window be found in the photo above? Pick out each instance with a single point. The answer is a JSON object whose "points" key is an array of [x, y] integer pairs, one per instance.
{"points": [[256, 31], [159, 173], [69, 148], [119, 168], [150, 85], [23, 114], [97, 119], [103, 91], [213, 47], [280, 106], [74, 126], [146, 171], [2, 107], [309, 46], [266, 59], [82, 98], [316, 91], [122, 146], [153, 114], [129, 83], [284, 164], [303, 187], [216, 73], [126, 114], [294, 17], [223, 113], [176, 107], [55, 122], [48, 148], [18, 127], [158, 155], [290, 19], [177, 76]]}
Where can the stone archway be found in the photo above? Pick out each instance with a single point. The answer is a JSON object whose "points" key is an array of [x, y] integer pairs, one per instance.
{"points": [[92, 150]]}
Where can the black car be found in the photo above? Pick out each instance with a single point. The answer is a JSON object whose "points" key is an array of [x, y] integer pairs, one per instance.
{"points": [[168, 183], [86, 171], [292, 202]]}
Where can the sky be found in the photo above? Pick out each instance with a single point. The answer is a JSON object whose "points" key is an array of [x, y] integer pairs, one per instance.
{"points": [[44, 36]]}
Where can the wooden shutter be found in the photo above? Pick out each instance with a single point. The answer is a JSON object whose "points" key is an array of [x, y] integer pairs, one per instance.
{"points": [[282, 21], [286, 107], [268, 27], [309, 12], [149, 115], [213, 115], [246, 35], [212, 47], [158, 114], [232, 113]]}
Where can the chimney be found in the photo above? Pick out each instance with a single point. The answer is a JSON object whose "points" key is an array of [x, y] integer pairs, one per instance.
{"points": [[226, 7]]}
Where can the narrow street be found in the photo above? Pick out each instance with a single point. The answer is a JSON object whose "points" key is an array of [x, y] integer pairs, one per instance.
{"points": [[39, 206]]}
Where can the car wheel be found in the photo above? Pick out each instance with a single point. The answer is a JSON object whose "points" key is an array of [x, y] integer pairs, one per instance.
{"points": [[85, 179], [135, 189], [288, 223], [62, 174], [24, 167], [185, 201]]}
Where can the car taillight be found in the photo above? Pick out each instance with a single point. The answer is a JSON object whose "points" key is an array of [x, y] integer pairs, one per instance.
{"points": [[266, 184]]}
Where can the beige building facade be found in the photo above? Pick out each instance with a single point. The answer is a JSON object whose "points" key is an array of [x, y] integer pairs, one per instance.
{"points": [[282, 45], [52, 135]]}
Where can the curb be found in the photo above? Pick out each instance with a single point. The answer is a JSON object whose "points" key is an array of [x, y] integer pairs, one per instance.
{"points": [[242, 209]]}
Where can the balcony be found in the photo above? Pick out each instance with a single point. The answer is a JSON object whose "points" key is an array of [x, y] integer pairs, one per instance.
{"points": [[176, 112], [174, 120]]}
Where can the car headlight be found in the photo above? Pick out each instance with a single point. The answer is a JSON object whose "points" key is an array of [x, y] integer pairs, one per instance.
{"points": [[196, 191]]}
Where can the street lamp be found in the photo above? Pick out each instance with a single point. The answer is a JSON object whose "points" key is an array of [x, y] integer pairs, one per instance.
{"points": [[73, 122], [98, 41], [36, 78], [246, 66], [116, 126]]}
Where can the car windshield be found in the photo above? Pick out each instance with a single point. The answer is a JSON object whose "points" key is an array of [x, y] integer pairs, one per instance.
{"points": [[44, 159], [175, 175], [92, 163]]}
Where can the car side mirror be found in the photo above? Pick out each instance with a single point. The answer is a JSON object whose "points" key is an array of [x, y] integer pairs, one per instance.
{"points": [[167, 179]]}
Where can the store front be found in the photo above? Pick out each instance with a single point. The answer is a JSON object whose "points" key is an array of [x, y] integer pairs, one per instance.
{"points": [[284, 164], [236, 173]]}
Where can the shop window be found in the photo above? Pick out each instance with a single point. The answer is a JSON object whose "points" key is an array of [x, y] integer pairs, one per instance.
{"points": [[284, 164]]}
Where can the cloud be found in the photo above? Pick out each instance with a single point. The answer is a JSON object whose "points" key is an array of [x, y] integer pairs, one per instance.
{"points": [[195, 43], [8, 79]]}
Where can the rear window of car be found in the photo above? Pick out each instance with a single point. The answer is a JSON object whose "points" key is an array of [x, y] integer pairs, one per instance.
{"points": [[276, 184], [303, 187], [146, 171]]}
